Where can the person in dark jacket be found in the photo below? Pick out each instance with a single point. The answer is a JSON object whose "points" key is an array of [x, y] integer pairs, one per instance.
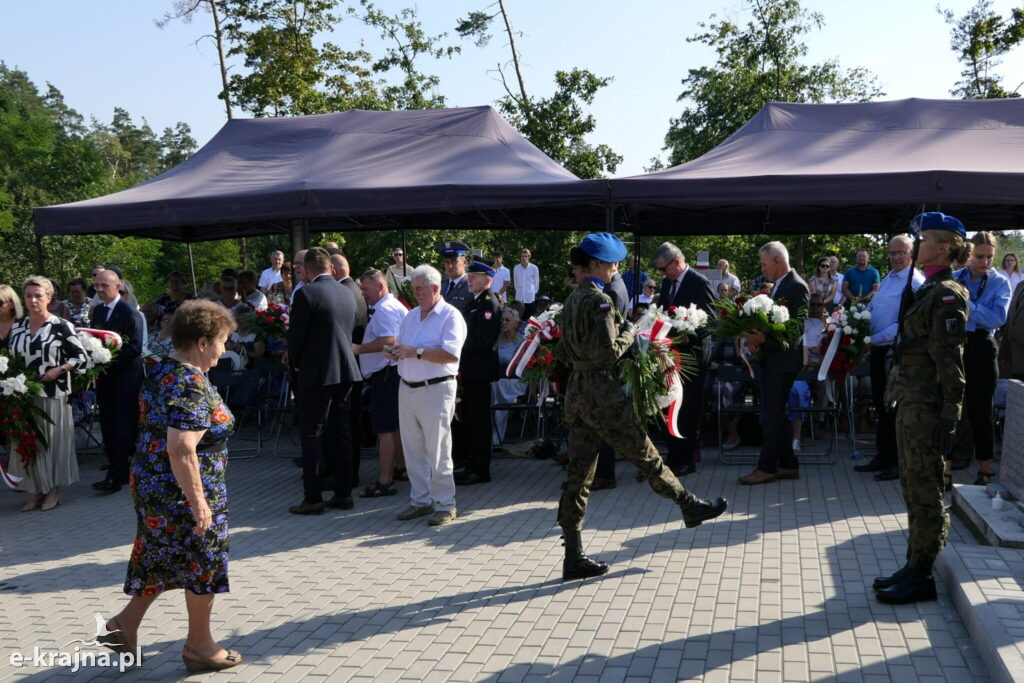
{"points": [[320, 353]]}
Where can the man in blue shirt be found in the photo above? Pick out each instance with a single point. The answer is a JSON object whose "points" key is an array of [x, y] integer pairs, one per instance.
{"points": [[861, 282], [987, 309], [885, 313]]}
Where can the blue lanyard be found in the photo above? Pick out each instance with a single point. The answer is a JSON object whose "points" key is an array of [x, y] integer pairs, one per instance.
{"points": [[600, 283], [965, 280]]}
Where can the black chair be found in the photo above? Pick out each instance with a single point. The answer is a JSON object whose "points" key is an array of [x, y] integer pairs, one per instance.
{"points": [[243, 392]]}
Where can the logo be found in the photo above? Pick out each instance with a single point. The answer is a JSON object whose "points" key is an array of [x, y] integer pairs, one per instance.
{"points": [[79, 657]]}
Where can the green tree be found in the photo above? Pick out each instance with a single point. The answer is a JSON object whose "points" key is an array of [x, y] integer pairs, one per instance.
{"points": [[757, 63], [185, 10], [558, 125], [980, 38]]}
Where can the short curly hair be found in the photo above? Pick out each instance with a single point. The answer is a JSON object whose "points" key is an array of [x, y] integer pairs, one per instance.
{"points": [[196, 319]]}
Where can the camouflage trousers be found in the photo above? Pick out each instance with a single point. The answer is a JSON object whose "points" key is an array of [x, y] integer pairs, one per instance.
{"points": [[921, 468], [596, 410]]}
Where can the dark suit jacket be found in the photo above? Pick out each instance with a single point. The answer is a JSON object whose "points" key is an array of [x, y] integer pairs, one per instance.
{"points": [[791, 288], [1012, 348], [479, 359], [362, 312], [694, 289], [320, 334], [126, 370], [616, 290]]}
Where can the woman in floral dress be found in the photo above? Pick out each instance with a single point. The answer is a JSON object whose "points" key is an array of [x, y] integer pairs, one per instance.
{"points": [[178, 488]]}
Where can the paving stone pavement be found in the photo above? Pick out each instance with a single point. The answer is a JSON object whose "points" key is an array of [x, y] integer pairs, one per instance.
{"points": [[775, 590]]}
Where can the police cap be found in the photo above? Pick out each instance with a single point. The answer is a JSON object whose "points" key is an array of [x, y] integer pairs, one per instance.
{"points": [[481, 265], [604, 246], [936, 220], [451, 248]]}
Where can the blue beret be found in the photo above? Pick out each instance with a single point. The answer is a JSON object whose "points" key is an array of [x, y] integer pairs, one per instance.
{"points": [[481, 265], [604, 246], [936, 220], [452, 248]]}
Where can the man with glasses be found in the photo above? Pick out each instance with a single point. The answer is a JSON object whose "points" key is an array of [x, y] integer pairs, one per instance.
{"points": [[684, 286], [639, 303], [885, 313], [398, 271]]}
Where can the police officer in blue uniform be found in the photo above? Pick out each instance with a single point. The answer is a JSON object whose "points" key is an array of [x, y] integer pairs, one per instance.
{"points": [[478, 367], [454, 287]]}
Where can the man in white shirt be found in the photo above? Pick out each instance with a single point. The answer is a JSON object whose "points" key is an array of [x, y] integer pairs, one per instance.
{"points": [[247, 289], [727, 277], [502, 277], [427, 349], [526, 277], [381, 373], [272, 274]]}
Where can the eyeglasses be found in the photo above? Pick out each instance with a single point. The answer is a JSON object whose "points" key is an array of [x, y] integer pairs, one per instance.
{"points": [[664, 268], [398, 253], [902, 252], [648, 286]]}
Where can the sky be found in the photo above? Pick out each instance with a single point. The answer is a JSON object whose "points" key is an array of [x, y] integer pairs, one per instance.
{"points": [[108, 53]]}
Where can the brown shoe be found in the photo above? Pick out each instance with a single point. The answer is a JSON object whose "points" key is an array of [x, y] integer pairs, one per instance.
{"points": [[307, 509], [442, 517], [783, 473], [757, 477], [412, 512]]}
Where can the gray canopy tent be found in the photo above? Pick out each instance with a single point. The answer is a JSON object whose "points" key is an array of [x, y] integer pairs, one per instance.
{"points": [[355, 170], [842, 168]]}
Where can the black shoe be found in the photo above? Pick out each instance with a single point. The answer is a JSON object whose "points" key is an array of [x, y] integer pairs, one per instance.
{"points": [[467, 478], [887, 475], [307, 509], [576, 565], [697, 510], [683, 470], [886, 581], [340, 503], [914, 586], [874, 465], [601, 484], [107, 487]]}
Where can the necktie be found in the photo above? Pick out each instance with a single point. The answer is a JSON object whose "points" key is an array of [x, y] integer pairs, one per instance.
{"points": [[102, 313], [672, 293], [369, 311]]}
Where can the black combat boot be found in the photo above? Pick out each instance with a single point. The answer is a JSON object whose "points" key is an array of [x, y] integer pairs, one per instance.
{"points": [[577, 565], [697, 510], [914, 586], [886, 581]]}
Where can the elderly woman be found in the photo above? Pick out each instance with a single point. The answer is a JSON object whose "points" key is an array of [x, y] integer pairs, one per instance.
{"points": [[178, 489], [280, 293], [160, 343], [51, 351], [506, 390], [927, 384], [78, 304], [10, 312], [175, 295]]}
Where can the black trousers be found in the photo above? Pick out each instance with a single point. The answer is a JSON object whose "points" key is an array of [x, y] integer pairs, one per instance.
{"points": [[605, 462], [325, 409], [119, 425], [777, 444], [885, 434], [982, 373], [356, 425], [680, 451], [476, 427]]}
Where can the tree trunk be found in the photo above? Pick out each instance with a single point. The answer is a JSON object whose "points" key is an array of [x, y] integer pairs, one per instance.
{"points": [[515, 61], [218, 37]]}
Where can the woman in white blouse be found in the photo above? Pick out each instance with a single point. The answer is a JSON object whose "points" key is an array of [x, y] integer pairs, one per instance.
{"points": [[1011, 270]]}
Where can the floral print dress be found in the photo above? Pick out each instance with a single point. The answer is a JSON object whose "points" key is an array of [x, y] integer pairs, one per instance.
{"points": [[167, 554]]}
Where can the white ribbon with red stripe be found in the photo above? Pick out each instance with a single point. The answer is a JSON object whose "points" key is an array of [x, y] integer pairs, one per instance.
{"points": [[9, 479], [545, 330], [673, 401], [105, 336]]}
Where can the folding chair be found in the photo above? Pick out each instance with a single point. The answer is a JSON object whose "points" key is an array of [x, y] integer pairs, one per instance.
{"points": [[242, 391], [831, 414], [728, 374], [855, 396]]}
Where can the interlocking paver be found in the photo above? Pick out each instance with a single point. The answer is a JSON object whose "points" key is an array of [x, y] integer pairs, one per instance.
{"points": [[776, 590]]}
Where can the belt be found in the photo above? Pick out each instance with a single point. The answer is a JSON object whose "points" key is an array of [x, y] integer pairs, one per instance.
{"points": [[212, 447], [426, 383]]}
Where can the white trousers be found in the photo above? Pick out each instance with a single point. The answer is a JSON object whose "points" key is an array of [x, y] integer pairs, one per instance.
{"points": [[424, 420]]}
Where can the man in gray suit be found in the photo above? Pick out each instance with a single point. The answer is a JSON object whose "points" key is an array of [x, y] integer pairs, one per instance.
{"points": [[320, 352], [779, 367]]}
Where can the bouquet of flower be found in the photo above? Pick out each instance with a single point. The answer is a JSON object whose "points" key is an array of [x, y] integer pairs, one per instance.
{"points": [[273, 322], [845, 341], [404, 293], [757, 314], [101, 348], [688, 320], [20, 419], [535, 359], [654, 376]]}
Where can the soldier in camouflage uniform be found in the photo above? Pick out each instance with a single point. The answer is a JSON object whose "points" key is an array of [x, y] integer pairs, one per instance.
{"points": [[594, 339], [927, 384]]}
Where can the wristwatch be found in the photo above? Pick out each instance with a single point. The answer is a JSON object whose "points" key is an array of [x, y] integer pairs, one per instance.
{"points": [[419, 353]]}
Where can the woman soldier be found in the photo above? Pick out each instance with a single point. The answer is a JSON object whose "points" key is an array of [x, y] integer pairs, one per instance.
{"points": [[927, 384], [594, 339]]}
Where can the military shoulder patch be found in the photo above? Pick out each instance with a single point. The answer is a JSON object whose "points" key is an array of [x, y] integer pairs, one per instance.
{"points": [[605, 306], [952, 325], [949, 299]]}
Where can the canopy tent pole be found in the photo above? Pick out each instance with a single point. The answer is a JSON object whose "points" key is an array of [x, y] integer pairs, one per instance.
{"points": [[192, 267], [635, 294], [405, 254]]}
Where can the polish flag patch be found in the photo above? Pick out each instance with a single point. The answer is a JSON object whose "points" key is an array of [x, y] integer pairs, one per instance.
{"points": [[606, 307], [949, 299], [488, 315]]}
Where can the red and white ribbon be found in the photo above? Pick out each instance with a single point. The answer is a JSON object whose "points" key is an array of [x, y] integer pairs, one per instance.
{"points": [[830, 354], [9, 479], [545, 330], [659, 331], [105, 336]]}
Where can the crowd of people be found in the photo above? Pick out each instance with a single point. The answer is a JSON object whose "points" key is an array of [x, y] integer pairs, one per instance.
{"points": [[432, 367]]}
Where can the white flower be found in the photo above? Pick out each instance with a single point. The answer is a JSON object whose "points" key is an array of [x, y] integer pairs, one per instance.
{"points": [[867, 340], [780, 314], [13, 385], [847, 330], [101, 355], [759, 304], [4, 361], [866, 315]]}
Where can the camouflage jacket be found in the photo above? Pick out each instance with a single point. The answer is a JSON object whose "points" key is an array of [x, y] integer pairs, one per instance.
{"points": [[929, 366], [593, 336]]}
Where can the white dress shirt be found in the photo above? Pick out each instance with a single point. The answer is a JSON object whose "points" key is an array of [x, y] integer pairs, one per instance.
{"points": [[269, 277], [885, 305], [527, 282], [501, 276], [386, 320], [258, 300], [444, 327]]}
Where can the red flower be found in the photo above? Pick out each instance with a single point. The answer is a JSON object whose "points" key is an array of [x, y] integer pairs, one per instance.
{"points": [[171, 528], [671, 309], [167, 380], [155, 447], [220, 415], [150, 591], [846, 341], [154, 522]]}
